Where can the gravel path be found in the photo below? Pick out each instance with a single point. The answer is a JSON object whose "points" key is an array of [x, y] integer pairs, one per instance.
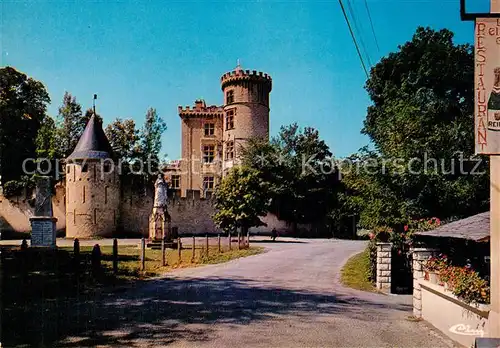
{"points": [[289, 296]]}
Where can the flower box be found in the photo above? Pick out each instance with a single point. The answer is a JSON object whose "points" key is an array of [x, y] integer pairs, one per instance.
{"points": [[433, 277]]}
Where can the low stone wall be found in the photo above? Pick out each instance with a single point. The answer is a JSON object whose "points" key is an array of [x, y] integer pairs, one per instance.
{"points": [[459, 321], [419, 257]]}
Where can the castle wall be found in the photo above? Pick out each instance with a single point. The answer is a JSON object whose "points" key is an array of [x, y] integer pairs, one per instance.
{"points": [[191, 215], [16, 211], [136, 207], [92, 200]]}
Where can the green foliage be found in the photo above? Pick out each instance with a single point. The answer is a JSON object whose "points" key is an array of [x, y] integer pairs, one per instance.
{"points": [[372, 250], [47, 141], [23, 105], [240, 199], [420, 123], [298, 167], [422, 97], [464, 282], [124, 139], [150, 138], [70, 125], [14, 188], [436, 264], [356, 272]]}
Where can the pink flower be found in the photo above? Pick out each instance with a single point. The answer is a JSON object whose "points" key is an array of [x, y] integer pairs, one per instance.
{"points": [[406, 228]]}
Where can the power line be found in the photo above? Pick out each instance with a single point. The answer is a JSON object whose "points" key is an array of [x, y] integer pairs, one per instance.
{"points": [[360, 33], [371, 24], [353, 38]]}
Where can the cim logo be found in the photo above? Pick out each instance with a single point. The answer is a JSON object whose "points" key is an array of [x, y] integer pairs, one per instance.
{"points": [[462, 329]]}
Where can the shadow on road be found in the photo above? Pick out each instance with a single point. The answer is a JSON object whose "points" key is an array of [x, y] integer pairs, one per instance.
{"points": [[158, 310]]}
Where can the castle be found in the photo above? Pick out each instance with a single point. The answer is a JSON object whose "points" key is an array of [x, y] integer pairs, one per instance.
{"points": [[95, 201]]}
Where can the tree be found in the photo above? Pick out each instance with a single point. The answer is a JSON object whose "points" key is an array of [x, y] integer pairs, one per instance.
{"points": [[423, 103], [23, 105], [47, 145], [88, 114], [71, 124], [150, 141], [124, 139], [299, 168], [240, 199]]}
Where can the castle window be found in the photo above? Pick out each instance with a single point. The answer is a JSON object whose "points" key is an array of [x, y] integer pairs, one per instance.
{"points": [[209, 129], [230, 97], [229, 150], [68, 169], [107, 168], [85, 168], [230, 119], [208, 153], [208, 183], [176, 181]]}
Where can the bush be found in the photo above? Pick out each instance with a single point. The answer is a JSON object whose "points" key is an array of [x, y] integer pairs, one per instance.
{"points": [[372, 248], [436, 264], [15, 187], [466, 284]]}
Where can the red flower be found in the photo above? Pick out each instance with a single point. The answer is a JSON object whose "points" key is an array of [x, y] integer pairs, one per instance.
{"points": [[406, 228]]}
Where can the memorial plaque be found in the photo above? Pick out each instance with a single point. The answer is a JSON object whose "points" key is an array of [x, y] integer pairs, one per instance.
{"points": [[43, 231], [487, 86]]}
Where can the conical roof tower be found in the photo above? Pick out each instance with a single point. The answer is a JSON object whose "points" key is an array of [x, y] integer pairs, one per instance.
{"points": [[93, 143]]}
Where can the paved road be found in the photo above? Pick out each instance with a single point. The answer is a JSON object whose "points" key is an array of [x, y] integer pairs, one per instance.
{"points": [[288, 297]]}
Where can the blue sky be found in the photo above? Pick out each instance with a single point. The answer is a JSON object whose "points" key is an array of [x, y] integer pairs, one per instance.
{"points": [[168, 53]]}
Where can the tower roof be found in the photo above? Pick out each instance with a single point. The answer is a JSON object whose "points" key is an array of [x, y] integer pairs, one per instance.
{"points": [[93, 143]]}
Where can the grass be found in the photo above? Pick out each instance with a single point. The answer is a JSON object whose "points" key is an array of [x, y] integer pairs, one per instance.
{"points": [[35, 280], [33, 274], [129, 259], [356, 272]]}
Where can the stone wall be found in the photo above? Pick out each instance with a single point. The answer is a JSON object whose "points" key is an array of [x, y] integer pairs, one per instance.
{"points": [[15, 212], [191, 215]]}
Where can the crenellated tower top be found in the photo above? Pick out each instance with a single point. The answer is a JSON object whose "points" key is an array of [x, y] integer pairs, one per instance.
{"points": [[200, 109], [238, 74]]}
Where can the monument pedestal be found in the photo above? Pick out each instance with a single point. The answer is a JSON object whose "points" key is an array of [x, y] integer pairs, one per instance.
{"points": [[43, 231], [159, 228]]}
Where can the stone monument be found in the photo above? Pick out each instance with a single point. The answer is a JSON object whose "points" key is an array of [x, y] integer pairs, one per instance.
{"points": [[159, 222], [43, 224]]}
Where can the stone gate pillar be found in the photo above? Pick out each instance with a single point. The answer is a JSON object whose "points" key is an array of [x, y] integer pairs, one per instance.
{"points": [[384, 253]]}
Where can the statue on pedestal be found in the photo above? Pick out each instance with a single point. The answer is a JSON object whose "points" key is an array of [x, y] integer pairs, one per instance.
{"points": [[159, 224]]}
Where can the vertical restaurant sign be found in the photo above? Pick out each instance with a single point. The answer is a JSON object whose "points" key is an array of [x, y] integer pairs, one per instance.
{"points": [[487, 86]]}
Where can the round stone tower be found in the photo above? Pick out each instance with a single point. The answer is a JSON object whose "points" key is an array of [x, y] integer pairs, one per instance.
{"points": [[92, 186], [246, 109]]}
